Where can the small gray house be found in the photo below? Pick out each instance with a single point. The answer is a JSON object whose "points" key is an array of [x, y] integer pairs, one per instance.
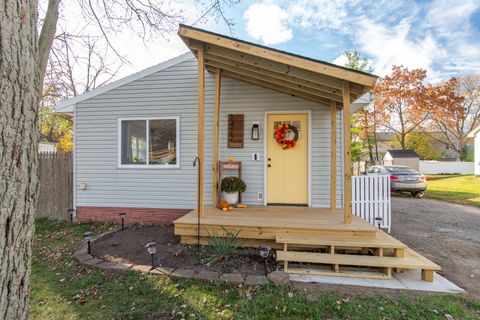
{"points": [[280, 120], [407, 158], [136, 138]]}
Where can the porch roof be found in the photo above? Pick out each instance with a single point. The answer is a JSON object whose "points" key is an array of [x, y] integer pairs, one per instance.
{"points": [[285, 72]]}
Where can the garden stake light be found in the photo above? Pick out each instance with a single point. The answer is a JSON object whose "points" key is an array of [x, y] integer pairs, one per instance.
{"points": [[152, 249], [122, 216], [379, 221], [88, 237], [70, 213], [264, 253]]}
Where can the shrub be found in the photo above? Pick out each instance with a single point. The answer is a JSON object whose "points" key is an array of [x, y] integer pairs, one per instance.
{"points": [[221, 248], [233, 184]]}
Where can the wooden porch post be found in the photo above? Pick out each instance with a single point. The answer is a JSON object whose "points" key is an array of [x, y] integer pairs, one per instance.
{"points": [[200, 126], [216, 123], [333, 155], [347, 157]]}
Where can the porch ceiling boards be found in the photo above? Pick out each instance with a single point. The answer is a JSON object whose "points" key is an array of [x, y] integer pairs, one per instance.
{"points": [[291, 74]]}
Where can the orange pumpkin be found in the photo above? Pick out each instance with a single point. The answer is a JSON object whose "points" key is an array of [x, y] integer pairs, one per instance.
{"points": [[223, 204]]}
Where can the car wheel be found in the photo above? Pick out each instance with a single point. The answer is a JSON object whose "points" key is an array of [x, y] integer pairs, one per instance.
{"points": [[419, 194]]}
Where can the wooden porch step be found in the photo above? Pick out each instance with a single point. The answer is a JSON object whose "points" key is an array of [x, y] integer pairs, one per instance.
{"points": [[386, 274], [382, 240], [410, 261]]}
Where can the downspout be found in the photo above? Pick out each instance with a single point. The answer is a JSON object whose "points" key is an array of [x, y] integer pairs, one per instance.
{"points": [[74, 165]]}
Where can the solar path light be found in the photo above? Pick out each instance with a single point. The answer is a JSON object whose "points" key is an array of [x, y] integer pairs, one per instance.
{"points": [[122, 216], [152, 249], [88, 237], [264, 253]]}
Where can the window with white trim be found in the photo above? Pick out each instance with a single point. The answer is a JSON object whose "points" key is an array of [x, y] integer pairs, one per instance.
{"points": [[149, 142]]}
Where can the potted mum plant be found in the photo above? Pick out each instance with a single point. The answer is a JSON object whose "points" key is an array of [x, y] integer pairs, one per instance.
{"points": [[231, 186]]}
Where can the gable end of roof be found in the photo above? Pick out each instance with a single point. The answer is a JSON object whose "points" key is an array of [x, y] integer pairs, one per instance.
{"points": [[67, 105], [403, 153]]}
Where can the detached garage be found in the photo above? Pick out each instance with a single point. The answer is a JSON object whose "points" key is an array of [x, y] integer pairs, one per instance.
{"points": [[407, 158]]}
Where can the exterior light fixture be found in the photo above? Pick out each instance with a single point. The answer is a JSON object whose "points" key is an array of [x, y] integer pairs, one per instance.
{"points": [[152, 249], [88, 237], [264, 253], [71, 213], [122, 216], [379, 221], [255, 131]]}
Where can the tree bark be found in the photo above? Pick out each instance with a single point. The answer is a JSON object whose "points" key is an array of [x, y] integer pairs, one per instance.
{"points": [[19, 83]]}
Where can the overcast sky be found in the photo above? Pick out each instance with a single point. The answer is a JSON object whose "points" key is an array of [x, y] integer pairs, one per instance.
{"points": [[442, 36]]}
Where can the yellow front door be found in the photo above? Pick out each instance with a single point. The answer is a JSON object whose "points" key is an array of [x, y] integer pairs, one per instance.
{"points": [[287, 168]]}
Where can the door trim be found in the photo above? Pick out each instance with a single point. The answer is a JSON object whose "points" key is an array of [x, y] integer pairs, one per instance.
{"points": [[309, 150]]}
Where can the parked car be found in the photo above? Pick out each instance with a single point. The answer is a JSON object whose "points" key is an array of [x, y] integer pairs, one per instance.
{"points": [[403, 179]]}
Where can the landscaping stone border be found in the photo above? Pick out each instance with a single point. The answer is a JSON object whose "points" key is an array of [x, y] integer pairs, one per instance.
{"points": [[82, 256]]}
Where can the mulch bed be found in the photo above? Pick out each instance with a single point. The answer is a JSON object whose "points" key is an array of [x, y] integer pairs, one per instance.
{"points": [[128, 246]]}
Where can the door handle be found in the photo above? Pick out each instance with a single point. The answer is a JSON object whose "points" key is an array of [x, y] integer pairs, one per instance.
{"points": [[269, 159], [269, 165]]}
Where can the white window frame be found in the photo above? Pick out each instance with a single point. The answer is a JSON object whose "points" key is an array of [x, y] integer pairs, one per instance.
{"points": [[147, 165]]}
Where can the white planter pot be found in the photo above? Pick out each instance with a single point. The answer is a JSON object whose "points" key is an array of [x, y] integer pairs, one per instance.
{"points": [[231, 197]]}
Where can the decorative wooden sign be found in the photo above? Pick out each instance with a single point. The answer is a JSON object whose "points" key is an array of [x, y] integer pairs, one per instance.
{"points": [[228, 165], [235, 130]]}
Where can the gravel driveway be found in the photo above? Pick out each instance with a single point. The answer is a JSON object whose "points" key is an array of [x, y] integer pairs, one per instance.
{"points": [[448, 234]]}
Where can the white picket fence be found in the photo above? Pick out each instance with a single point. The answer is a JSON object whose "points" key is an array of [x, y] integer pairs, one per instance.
{"points": [[446, 167], [371, 199]]}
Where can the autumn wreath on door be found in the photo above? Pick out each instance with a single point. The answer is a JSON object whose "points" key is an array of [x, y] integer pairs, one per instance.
{"points": [[286, 136]]}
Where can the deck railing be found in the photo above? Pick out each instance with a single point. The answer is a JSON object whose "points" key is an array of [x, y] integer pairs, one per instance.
{"points": [[371, 199]]}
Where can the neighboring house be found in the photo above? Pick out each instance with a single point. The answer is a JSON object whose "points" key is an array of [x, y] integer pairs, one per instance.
{"points": [[45, 146], [407, 158], [475, 134], [385, 139]]}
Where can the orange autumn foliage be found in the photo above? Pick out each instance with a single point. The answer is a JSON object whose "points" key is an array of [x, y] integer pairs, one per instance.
{"points": [[407, 102]]}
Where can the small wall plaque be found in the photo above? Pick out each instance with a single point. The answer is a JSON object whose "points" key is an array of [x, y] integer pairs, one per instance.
{"points": [[235, 130]]}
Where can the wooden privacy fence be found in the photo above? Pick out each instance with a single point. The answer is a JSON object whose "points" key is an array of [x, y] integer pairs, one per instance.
{"points": [[55, 175], [371, 199]]}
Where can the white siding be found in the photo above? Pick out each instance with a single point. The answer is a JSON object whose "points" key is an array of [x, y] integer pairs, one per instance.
{"points": [[173, 92]]}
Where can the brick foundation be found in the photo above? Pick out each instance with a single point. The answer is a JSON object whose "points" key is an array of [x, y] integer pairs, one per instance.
{"points": [[134, 215]]}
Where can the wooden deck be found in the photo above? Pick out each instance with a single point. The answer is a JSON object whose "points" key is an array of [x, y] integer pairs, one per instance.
{"points": [[265, 223], [310, 238]]}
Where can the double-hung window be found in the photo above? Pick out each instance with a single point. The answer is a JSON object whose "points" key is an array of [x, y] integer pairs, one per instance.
{"points": [[151, 142]]}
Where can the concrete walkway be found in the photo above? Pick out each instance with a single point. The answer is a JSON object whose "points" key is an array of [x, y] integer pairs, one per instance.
{"points": [[408, 280]]}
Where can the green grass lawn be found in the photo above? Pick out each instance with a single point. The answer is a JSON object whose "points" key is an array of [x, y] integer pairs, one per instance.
{"points": [[60, 289], [461, 189]]}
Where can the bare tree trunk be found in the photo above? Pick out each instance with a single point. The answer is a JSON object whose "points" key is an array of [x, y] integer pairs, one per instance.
{"points": [[46, 38], [370, 149], [19, 79], [376, 146]]}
